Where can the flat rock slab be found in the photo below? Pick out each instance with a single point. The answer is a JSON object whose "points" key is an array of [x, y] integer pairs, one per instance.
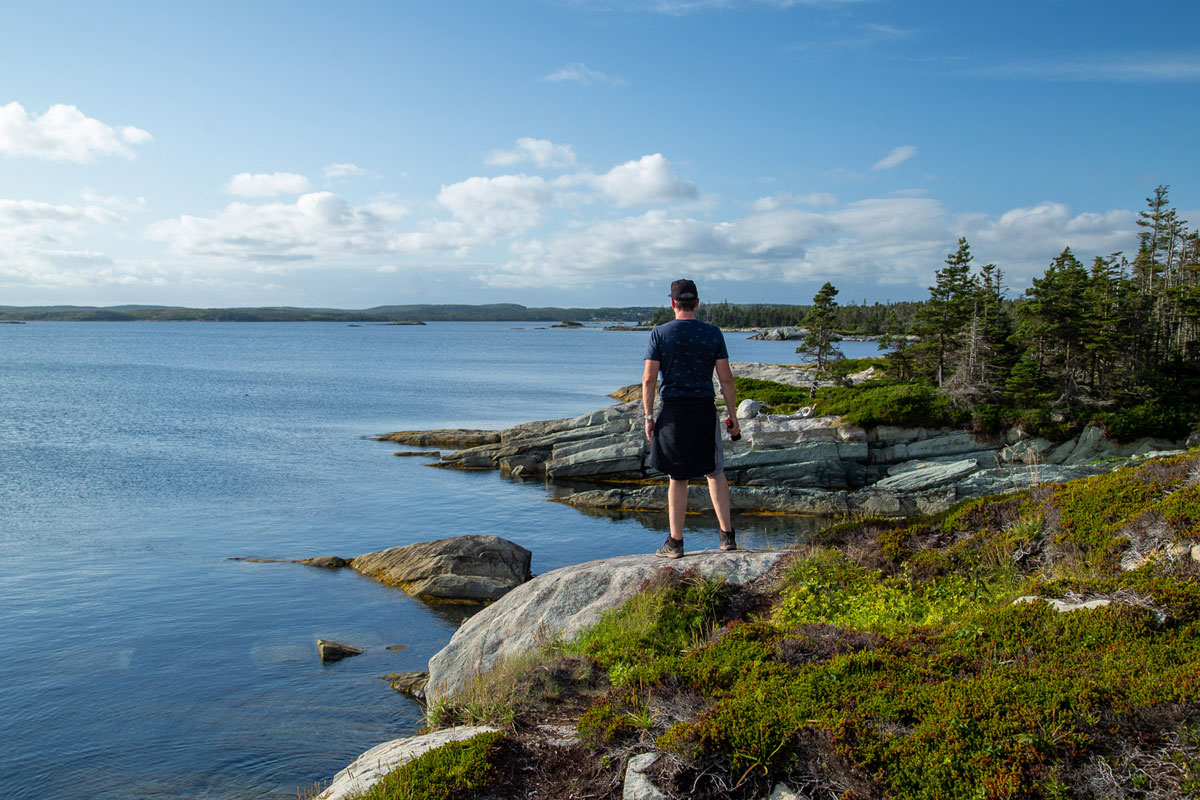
{"points": [[445, 437], [371, 766], [566, 601], [472, 568]]}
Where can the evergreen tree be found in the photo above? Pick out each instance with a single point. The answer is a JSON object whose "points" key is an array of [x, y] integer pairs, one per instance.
{"points": [[1052, 320], [820, 340], [947, 311]]}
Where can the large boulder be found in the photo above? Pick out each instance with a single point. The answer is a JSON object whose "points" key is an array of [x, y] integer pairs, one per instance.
{"points": [[369, 768], [473, 568], [566, 601]]}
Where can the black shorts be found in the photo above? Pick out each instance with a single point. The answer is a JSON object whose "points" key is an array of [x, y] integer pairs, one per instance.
{"points": [[687, 439]]}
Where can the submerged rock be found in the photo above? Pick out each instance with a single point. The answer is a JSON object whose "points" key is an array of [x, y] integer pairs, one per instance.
{"points": [[335, 651], [566, 601], [471, 568]]}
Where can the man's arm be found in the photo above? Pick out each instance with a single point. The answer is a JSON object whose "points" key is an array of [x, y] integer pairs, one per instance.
{"points": [[649, 384], [725, 378]]}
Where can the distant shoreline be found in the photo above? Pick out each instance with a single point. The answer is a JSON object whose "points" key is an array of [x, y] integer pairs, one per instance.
{"points": [[407, 314]]}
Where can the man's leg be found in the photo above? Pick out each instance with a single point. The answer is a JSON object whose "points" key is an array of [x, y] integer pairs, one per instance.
{"points": [[677, 497], [676, 509], [718, 492]]}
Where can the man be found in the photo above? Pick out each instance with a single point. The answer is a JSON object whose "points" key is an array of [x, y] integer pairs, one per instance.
{"points": [[685, 440]]}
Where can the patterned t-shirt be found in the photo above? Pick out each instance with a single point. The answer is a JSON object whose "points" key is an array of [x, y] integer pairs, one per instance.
{"points": [[687, 350]]}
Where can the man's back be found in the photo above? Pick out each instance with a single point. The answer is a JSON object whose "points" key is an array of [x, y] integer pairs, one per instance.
{"points": [[687, 350]]}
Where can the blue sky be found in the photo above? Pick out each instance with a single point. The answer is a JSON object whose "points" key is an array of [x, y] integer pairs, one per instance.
{"points": [[570, 152]]}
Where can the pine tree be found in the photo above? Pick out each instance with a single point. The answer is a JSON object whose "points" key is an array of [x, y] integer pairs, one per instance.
{"points": [[820, 340], [948, 309]]}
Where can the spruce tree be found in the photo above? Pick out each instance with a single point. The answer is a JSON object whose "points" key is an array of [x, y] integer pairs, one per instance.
{"points": [[820, 340], [947, 311]]}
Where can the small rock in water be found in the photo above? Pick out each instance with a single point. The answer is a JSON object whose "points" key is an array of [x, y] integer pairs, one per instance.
{"points": [[335, 651], [397, 647], [325, 562], [426, 453], [409, 683]]}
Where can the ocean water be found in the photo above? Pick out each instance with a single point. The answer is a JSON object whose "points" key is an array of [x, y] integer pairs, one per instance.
{"points": [[136, 459]]}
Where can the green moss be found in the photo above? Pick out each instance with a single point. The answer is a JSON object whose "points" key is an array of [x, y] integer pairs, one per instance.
{"points": [[454, 771], [830, 588], [676, 614]]}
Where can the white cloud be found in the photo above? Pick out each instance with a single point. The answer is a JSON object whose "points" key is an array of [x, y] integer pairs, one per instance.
{"points": [[881, 241], [347, 170], [1110, 68], [507, 204], [678, 8], [38, 250], [541, 152], [34, 223], [73, 269], [1037, 233], [317, 225], [63, 133], [245, 184], [898, 155], [583, 74], [780, 199], [650, 179]]}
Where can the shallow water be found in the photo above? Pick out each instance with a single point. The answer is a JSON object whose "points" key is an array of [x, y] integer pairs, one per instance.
{"points": [[137, 458]]}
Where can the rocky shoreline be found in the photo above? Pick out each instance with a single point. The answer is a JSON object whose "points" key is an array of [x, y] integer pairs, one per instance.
{"points": [[785, 464]]}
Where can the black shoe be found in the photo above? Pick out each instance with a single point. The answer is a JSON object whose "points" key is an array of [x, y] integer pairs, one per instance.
{"points": [[728, 541], [672, 548]]}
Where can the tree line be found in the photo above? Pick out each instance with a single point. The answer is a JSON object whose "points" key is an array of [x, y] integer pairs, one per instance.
{"points": [[1118, 340]]}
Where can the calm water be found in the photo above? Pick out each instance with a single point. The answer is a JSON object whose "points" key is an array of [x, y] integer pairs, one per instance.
{"points": [[136, 458]]}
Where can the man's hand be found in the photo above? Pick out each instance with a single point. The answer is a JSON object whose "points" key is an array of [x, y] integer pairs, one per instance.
{"points": [[650, 430], [734, 428]]}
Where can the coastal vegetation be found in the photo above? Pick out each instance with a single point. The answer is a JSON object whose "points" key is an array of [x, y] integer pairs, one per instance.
{"points": [[1116, 345], [1040, 644]]}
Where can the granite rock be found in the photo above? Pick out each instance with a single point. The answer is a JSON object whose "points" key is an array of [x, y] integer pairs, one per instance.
{"points": [[564, 602], [473, 568], [371, 766]]}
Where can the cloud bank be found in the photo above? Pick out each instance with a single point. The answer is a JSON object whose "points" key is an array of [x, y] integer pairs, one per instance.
{"points": [[64, 133]]}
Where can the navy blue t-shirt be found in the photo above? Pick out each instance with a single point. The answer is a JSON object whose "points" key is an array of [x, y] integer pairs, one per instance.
{"points": [[687, 350]]}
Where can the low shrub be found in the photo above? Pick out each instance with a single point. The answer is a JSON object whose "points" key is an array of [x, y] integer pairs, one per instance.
{"points": [[904, 404], [454, 771], [1167, 421]]}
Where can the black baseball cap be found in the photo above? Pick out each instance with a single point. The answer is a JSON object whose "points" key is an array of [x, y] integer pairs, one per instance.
{"points": [[683, 289]]}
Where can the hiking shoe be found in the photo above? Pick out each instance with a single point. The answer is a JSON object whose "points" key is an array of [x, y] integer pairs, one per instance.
{"points": [[672, 548], [728, 542]]}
